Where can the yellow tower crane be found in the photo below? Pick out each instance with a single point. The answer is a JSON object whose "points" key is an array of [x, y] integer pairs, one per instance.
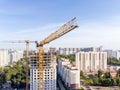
{"points": [[27, 54], [60, 32]]}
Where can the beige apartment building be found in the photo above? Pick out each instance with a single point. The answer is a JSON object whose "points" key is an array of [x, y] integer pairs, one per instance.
{"points": [[91, 61]]}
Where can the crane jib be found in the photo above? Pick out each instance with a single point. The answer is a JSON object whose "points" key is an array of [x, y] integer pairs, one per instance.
{"points": [[60, 32]]}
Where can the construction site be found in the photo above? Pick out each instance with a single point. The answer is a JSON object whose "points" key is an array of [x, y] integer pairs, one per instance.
{"points": [[43, 66], [49, 72], [59, 45], [43, 74]]}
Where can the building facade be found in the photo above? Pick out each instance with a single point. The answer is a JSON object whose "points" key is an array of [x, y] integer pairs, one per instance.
{"points": [[4, 57], [116, 54], [50, 77], [69, 74], [68, 51], [91, 61], [95, 49], [111, 53], [9, 56], [15, 55]]}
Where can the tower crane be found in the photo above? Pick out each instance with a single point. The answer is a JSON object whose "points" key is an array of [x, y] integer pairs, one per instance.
{"points": [[69, 26], [27, 54]]}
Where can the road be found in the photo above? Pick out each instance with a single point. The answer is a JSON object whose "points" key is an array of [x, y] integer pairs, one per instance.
{"points": [[60, 84]]}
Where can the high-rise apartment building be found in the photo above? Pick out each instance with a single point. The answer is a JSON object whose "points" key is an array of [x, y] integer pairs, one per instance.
{"points": [[69, 73], [4, 57], [68, 51], [9, 56], [111, 53], [95, 49], [15, 55], [49, 72], [116, 54], [91, 61]]}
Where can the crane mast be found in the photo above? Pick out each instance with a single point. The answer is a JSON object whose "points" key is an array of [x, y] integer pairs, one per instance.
{"points": [[69, 26]]}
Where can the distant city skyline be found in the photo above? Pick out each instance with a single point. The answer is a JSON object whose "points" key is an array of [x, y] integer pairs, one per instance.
{"points": [[98, 20]]}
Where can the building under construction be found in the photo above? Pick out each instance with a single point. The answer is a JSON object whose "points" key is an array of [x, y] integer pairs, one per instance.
{"points": [[43, 64], [49, 71]]}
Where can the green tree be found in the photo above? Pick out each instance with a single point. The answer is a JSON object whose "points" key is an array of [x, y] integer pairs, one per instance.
{"points": [[81, 89], [106, 82], [113, 82], [16, 73], [8, 76], [107, 75], [82, 76], [118, 72], [113, 61], [118, 81], [2, 78], [1, 70], [81, 73], [95, 81], [70, 57], [99, 74]]}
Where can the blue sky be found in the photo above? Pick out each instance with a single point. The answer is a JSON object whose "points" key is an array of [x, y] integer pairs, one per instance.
{"points": [[98, 20]]}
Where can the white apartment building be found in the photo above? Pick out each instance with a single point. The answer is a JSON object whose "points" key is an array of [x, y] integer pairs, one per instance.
{"points": [[95, 49], [4, 58], [111, 53], [9, 56], [116, 54], [49, 72], [68, 51], [15, 55], [69, 73], [91, 61]]}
